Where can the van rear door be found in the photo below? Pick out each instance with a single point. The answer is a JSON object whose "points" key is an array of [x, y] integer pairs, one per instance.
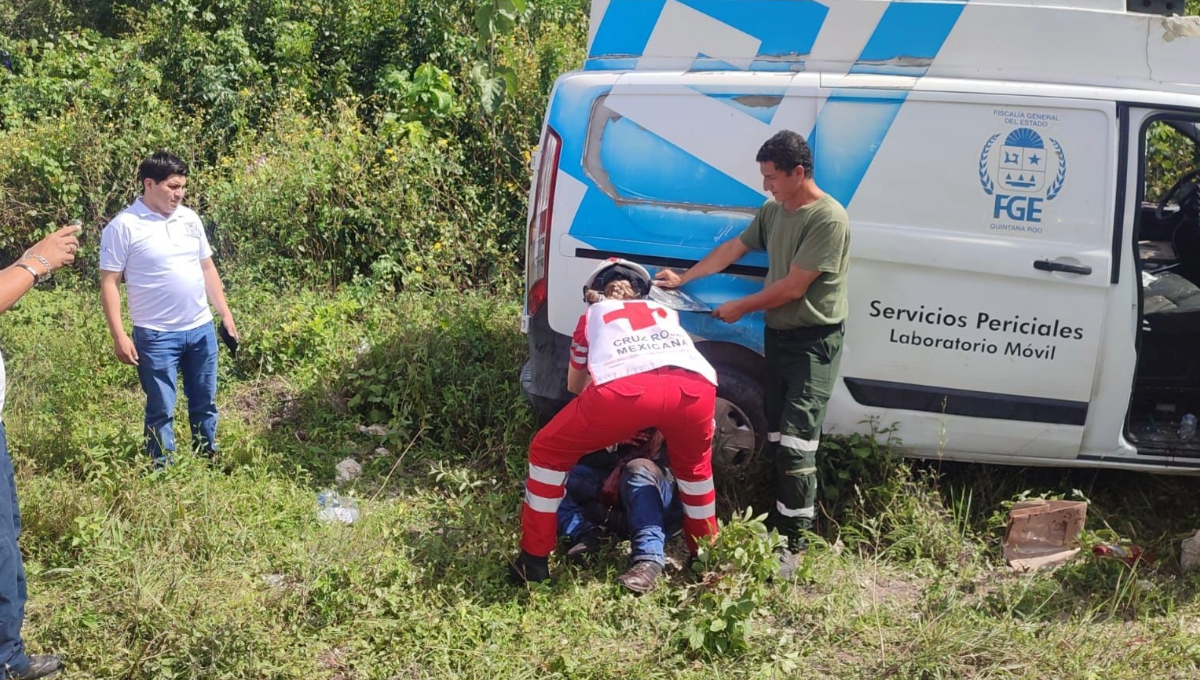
{"points": [[982, 240]]}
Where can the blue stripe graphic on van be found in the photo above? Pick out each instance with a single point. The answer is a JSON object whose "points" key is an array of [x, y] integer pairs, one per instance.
{"points": [[850, 129], [570, 115], [785, 28], [626, 28], [910, 31], [853, 124]]}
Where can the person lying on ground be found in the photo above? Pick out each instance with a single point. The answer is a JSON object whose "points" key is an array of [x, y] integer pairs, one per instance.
{"points": [[631, 493]]}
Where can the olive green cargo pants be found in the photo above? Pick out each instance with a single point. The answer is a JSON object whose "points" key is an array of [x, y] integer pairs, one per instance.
{"points": [[802, 367]]}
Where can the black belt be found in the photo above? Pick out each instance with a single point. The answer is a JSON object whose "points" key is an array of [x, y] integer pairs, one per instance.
{"points": [[807, 331]]}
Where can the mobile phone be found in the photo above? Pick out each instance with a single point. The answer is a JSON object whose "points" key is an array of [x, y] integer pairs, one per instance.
{"points": [[227, 338]]}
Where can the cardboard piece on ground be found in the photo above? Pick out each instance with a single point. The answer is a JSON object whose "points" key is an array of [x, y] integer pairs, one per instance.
{"points": [[1043, 533]]}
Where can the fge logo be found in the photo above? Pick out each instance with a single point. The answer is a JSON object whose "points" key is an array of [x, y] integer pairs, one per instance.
{"points": [[1028, 172]]}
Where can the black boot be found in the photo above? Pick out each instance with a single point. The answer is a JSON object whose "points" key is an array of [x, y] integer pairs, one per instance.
{"points": [[528, 569], [42, 666]]}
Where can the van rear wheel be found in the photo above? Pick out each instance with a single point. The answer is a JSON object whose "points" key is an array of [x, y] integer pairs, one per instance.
{"points": [[741, 421]]}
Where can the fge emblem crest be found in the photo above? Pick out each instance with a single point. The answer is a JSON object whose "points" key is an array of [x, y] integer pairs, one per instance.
{"points": [[1022, 173]]}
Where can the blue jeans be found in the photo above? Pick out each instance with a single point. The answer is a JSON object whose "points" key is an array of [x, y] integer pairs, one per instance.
{"points": [[12, 570], [583, 488], [161, 355], [653, 511]]}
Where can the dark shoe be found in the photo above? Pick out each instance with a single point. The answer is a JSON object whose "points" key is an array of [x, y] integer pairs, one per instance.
{"points": [[42, 666], [528, 569], [587, 545], [642, 577]]}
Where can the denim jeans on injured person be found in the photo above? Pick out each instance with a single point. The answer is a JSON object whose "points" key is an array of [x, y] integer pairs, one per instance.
{"points": [[653, 509], [583, 485], [162, 355]]}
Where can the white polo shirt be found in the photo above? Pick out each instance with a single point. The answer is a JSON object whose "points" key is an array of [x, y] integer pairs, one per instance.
{"points": [[160, 257]]}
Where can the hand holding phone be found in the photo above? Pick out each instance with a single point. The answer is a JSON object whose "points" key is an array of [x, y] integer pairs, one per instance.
{"points": [[227, 338]]}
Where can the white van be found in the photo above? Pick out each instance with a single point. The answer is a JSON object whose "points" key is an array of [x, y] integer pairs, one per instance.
{"points": [[1021, 179]]}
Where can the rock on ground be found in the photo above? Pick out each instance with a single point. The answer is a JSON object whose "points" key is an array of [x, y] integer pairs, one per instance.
{"points": [[348, 470]]}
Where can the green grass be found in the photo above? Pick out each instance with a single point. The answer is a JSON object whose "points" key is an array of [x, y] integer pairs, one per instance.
{"points": [[224, 572]]}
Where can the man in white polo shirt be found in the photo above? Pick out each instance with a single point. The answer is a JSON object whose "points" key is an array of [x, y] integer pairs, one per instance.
{"points": [[160, 249]]}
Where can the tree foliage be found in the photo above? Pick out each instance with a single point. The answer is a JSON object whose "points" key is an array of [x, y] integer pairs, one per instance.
{"points": [[332, 140]]}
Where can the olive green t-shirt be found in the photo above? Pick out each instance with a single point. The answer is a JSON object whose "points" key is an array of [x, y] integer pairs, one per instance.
{"points": [[815, 238]]}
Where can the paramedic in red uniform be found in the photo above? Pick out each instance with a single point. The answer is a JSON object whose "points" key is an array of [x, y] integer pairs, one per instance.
{"points": [[633, 367]]}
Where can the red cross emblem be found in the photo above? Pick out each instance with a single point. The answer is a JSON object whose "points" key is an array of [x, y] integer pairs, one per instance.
{"points": [[639, 315]]}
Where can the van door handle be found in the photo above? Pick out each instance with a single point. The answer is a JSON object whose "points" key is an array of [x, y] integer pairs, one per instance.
{"points": [[1056, 266]]}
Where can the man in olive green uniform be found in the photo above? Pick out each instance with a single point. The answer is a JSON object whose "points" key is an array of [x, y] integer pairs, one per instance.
{"points": [[807, 238]]}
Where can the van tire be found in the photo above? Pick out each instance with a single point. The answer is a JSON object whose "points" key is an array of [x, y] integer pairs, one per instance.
{"points": [[741, 420]]}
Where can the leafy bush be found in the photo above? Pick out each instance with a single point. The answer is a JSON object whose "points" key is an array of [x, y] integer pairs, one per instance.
{"points": [[329, 202], [733, 573], [1169, 155], [75, 167]]}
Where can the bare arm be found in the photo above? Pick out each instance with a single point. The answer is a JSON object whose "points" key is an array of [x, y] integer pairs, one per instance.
{"points": [[715, 261], [791, 287], [14, 282], [216, 295], [110, 302], [577, 380]]}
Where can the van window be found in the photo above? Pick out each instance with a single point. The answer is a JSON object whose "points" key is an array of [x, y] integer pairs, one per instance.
{"points": [[1169, 153]]}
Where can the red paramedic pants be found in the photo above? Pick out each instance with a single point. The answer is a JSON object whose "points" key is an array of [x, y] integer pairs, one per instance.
{"points": [[678, 402]]}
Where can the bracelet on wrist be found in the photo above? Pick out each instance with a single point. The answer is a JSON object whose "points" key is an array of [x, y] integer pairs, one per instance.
{"points": [[42, 278], [32, 272]]}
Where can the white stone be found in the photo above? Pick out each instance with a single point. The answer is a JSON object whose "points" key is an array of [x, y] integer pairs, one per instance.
{"points": [[348, 470]]}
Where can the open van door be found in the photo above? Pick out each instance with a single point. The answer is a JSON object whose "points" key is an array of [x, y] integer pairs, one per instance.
{"points": [[982, 237], [1163, 236]]}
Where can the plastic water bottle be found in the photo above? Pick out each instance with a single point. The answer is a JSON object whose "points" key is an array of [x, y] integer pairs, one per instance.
{"points": [[332, 506], [1187, 427]]}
